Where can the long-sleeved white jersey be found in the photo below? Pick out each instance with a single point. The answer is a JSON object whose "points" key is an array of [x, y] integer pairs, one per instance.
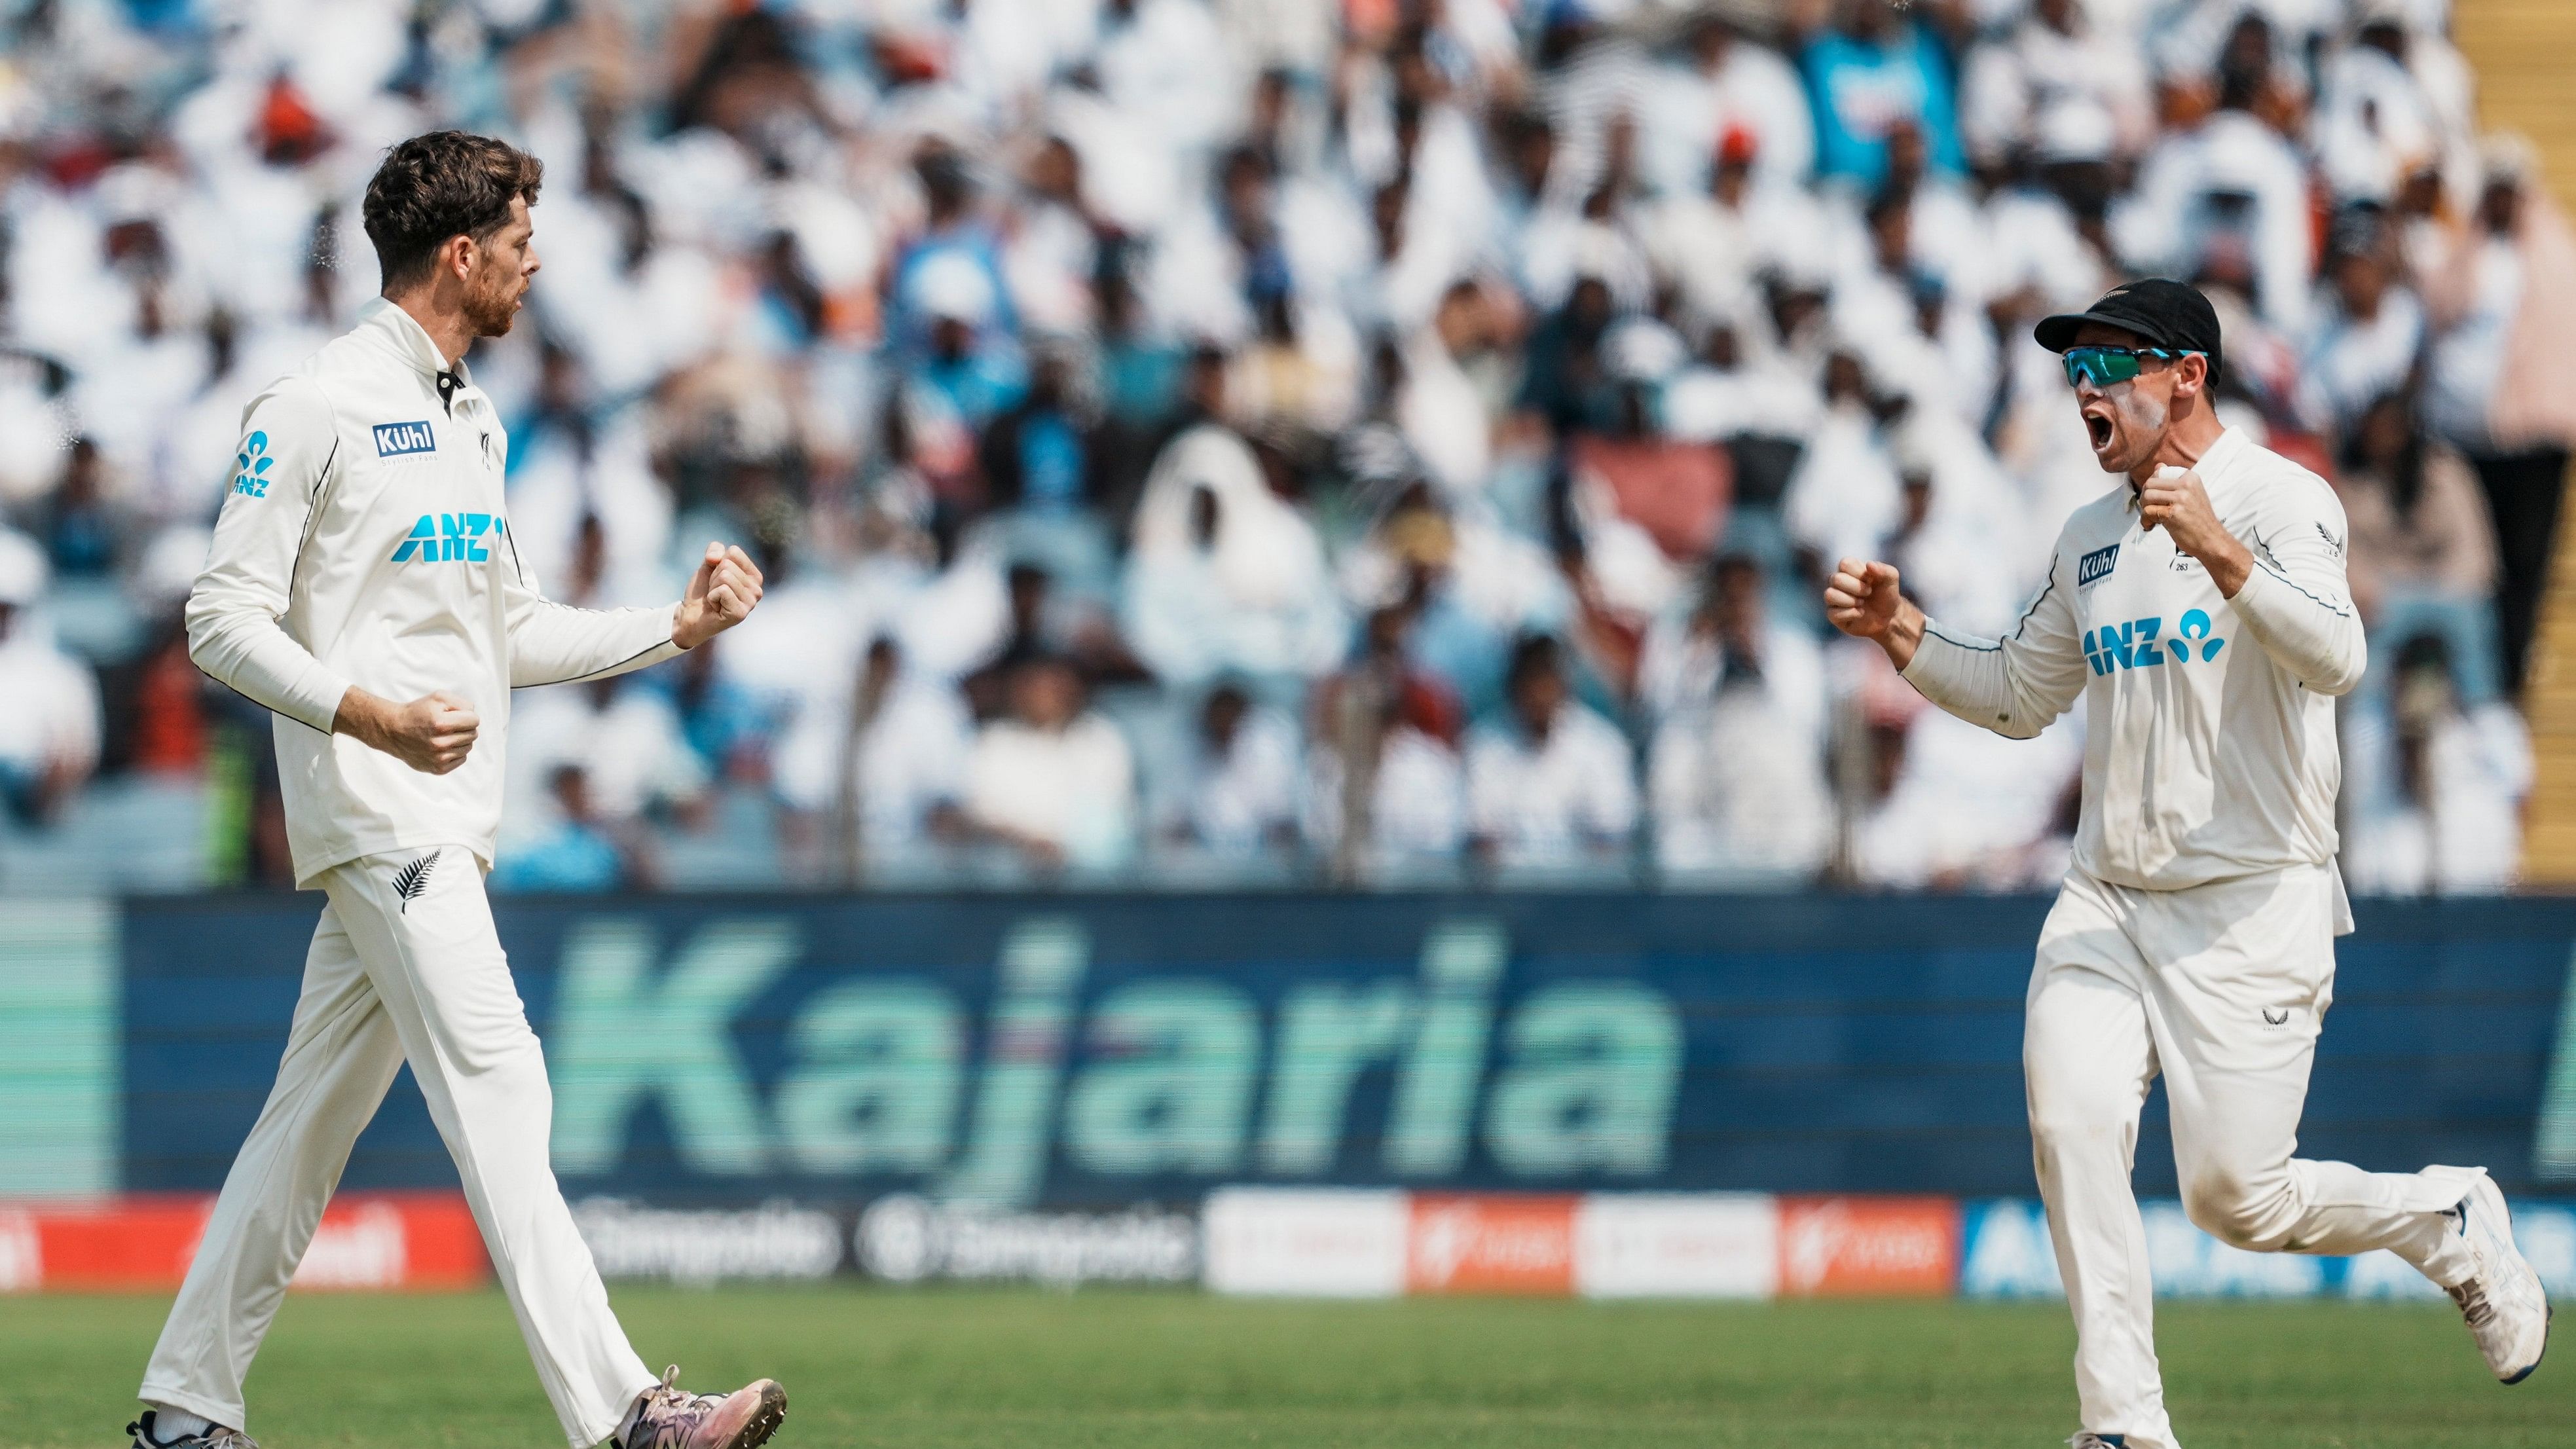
{"points": [[363, 542], [2209, 750]]}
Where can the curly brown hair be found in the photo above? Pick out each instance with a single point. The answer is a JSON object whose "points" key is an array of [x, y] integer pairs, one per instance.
{"points": [[439, 185]]}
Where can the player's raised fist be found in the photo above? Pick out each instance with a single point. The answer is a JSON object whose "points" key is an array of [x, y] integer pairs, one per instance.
{"points": [[433, 734], [723, 592], [2175, 501], [2174, 498], [1861, 599]]}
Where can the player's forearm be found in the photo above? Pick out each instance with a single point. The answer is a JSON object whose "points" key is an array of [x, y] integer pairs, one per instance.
{"points": [[554, 643], [2309, 629], [1904, 634], [1972, 679], [2229, 563], [246, 650], [366, 718]]}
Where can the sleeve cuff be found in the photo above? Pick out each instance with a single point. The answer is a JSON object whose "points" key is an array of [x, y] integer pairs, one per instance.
{"points": [[654, 645], [314, 697], [1916, 667], [667, 648], [2250, 593]]}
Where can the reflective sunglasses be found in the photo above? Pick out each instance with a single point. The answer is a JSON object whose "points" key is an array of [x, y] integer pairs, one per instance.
{"points": [[2103, 366]]}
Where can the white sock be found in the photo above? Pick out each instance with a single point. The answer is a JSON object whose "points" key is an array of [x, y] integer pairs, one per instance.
{"points": [[2448, 1261], [2434, 1245], [169, 1423]]}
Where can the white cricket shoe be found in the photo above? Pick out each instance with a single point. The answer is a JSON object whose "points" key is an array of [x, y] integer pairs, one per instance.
{"points": [[147, 1436], [2506, 1308]]}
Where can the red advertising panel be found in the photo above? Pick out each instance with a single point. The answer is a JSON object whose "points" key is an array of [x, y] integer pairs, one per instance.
{"points": [[1491, 1243], [1868, 1246], [424, 1240]]}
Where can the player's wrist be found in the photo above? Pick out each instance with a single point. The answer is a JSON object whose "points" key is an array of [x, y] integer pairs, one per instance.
{"points": [[1904, 633], [360, 717], [2230, 564]]}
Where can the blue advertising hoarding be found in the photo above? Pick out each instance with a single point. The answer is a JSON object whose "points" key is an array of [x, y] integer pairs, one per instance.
{"points": [[1089, 1051]]}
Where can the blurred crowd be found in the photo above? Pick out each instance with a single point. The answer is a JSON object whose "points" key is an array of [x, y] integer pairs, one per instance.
{"points": [[1376, 442]]}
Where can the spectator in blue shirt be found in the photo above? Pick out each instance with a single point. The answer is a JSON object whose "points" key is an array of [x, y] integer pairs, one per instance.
{"points": [[574, 854], [953, 233], [1863, 77]]}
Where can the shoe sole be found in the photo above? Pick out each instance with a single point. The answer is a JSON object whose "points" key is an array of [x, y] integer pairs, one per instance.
{"points": [[2547, 1316], [773, 1412]]}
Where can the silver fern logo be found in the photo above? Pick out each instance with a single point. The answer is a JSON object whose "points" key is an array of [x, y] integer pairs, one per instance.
{"points": [[413, 878]]}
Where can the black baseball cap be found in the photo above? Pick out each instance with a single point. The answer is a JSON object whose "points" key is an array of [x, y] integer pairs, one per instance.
{"points": [[2168, 314]]}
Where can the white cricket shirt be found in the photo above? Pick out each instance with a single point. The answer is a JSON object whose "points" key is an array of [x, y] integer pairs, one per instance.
{"points": [[364, 542], [2209, 750]]}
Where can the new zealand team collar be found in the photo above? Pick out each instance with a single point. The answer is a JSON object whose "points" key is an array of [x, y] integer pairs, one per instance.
{"points": [[399, 331], [2222, 468]]}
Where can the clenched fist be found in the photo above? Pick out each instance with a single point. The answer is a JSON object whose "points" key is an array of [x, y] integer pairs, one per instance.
{"points": [[2175, 501], [723, 592], [433, 734], [1863, 601]]}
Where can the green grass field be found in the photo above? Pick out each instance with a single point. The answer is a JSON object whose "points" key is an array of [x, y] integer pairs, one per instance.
{"points": [[927, 1370]]}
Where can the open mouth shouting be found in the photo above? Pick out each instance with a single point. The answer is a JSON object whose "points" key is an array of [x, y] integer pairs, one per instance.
{"points": [[2098, 423]]}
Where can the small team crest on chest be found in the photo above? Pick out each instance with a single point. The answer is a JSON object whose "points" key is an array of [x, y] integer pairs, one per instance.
{"points": [[395, 439], [2095, 566]]}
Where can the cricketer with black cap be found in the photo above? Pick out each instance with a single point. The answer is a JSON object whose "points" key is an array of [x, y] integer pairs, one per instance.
{"points": [[2200, 609]]}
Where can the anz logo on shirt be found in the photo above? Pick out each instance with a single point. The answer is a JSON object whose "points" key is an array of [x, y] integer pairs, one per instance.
{"points": [[2134, 645], [449, 538]]}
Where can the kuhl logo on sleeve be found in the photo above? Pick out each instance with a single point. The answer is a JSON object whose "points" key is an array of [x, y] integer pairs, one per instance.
{"points": [[2095, 565], [395, 439]]}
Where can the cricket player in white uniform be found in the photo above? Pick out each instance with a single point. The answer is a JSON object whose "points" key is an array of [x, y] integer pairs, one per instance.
{"points": [[365, 585], [2200, 609]]}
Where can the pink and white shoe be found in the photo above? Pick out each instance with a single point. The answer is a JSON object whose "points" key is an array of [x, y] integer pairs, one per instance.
{"points": [[670, 1417]]}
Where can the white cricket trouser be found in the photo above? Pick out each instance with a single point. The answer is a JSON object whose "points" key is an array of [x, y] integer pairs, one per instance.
{"points": [[390, 979], [2221, 988]]}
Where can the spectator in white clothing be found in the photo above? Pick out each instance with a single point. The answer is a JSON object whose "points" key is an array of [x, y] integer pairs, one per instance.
{"points": [[1729, 639], [2230, 185], [627, 742], [1729, 83], [2056, 54], [2439, 799], [1052, 781], [2368, 334], [1736, 775], [1238, 795], [1242, 587], [1950, 812], [1553, 786], [49, 734], [876, 773], [1385, 797]]}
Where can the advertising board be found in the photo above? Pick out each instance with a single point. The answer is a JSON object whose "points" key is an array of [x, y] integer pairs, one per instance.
{"points": [[1081, 1053]]}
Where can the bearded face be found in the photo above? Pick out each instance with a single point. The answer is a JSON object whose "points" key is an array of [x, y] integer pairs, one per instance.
{"points": [[504, 266], [492, 300]]}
